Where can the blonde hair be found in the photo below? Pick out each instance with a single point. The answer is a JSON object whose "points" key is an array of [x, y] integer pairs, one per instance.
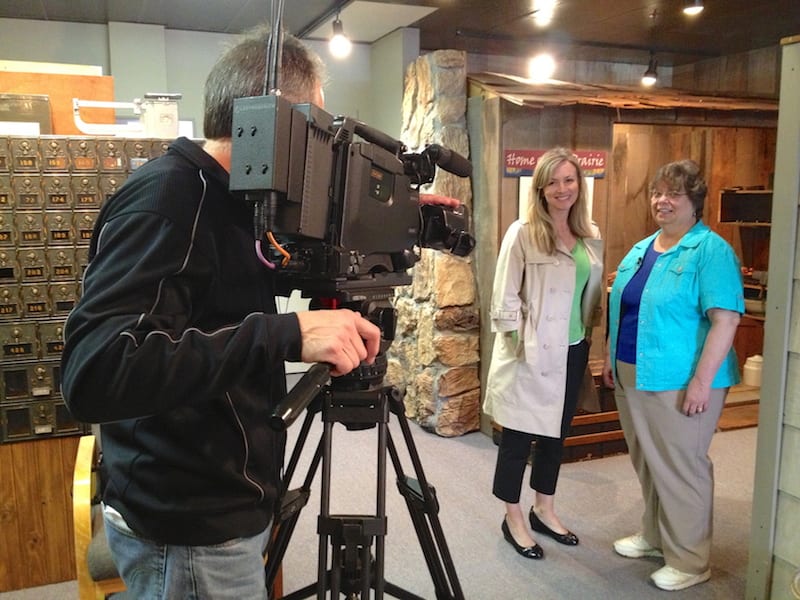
{"points": [[539, 219]]}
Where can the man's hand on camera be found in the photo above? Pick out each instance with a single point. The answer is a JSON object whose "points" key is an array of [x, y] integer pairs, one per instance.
{"points": [[437, 199], [341, 338]]}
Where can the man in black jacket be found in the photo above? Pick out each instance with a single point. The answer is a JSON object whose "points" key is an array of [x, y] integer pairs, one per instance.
{"points": [[177, 349]]}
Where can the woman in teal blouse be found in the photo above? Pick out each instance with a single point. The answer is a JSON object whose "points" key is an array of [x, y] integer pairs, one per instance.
{"points": [[673, 312]]}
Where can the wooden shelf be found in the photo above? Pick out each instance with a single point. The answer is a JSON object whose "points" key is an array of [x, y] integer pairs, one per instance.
{"points": [[751, 208], [761, 318]]}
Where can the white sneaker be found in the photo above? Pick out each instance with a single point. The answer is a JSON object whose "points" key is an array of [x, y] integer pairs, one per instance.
{"points": [[670, 579], [635, 546]]}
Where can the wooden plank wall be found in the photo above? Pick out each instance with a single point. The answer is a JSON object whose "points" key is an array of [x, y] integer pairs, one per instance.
{"points": [[754, 73], [36, 546], [728, 156]]}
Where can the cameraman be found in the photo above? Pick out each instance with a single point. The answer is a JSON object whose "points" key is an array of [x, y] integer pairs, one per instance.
{"points": [[176, 349]]}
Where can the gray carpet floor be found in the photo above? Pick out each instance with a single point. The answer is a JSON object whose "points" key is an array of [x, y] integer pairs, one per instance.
{"points": [[598, 499]]}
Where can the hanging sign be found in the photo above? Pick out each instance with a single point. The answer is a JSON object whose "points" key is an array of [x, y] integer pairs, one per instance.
{"points": [[521, 163]]}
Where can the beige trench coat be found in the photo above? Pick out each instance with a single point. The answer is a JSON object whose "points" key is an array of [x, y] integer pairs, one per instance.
{"points": [[533, 295]]}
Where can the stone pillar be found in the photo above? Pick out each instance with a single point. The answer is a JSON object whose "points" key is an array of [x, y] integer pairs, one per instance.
{"points": [[435, 355]]}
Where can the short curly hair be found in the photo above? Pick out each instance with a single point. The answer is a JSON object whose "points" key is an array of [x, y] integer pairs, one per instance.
{"points": [[684, 175], [241, 72]]}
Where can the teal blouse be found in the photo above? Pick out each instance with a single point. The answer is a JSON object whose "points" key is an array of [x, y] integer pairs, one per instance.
{"points": [[699, 273]]}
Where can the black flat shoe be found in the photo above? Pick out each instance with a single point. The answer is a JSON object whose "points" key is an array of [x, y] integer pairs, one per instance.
{"points": [[568, 539], [535, 552]]}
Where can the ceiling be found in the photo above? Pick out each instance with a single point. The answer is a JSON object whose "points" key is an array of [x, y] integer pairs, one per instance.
{"points": [[613, 30]]}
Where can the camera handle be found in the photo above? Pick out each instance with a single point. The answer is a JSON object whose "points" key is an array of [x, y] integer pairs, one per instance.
{"points": [[353, 570]]}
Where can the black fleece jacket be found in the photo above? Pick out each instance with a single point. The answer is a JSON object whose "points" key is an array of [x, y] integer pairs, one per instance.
{"points": [[176, 349]]}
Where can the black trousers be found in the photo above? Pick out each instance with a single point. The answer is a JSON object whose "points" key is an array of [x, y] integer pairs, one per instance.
{"points": [[515, 446]]}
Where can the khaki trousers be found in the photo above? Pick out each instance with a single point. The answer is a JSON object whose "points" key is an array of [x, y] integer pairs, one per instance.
{"points": [[669, 452]]}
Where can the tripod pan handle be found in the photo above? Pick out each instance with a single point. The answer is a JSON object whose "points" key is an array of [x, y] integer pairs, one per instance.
{"points": [[300, 396]]}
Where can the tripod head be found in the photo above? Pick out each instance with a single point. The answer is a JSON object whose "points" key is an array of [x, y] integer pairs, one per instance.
{"points": [[374, 304]]}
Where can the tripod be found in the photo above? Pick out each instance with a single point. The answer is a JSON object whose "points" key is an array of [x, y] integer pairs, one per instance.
{"points": [[353, 570]]}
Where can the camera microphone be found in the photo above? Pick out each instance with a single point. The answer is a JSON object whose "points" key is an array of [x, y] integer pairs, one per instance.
{"points": [[450, 161]]}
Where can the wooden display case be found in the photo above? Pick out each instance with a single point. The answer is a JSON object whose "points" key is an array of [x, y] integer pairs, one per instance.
{"points": [[749, 212]]}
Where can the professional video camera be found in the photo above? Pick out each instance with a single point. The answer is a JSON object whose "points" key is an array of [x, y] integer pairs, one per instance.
{"points": [[339, 214], [344, 223]]}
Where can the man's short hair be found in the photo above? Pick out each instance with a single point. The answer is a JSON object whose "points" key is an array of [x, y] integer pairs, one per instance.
{"points": [[241, 72]]}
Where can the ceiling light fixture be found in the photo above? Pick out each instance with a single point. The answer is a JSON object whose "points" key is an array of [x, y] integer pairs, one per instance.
{"points": [[543, 12], [693, 7], [541, 67], [651, 74], [339, 45]]}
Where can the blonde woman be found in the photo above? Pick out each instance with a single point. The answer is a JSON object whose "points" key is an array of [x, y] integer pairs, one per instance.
{"points": [[546, 297]]}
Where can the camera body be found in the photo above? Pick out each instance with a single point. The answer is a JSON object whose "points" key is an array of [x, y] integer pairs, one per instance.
{"points": [[344, 212]]}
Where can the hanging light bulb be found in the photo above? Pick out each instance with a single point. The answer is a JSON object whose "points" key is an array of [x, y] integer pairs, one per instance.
{"points": [[651, 74], [339, 45], [693, 7]]}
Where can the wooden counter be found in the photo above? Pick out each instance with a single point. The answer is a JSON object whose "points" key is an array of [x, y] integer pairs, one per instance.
{"points": [[36, 545]]}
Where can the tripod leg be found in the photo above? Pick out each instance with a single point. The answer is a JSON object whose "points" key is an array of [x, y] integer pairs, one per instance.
{"points": [[353, 572], [325, 503], [292, 503], [380, 501], [424, 508]]}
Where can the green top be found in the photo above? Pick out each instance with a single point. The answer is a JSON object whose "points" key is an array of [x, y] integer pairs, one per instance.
{"points": [[577, 330]]}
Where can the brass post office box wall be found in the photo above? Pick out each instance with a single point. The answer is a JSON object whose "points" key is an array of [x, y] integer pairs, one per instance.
{"points": [[27, 190], [28, 381], [111, 152], [55, 154], [6, 197], [81, 259], [25, 155], [63, 296], [85, 191], [50, 338], [30, 228], [109, 183], [9, 266], [62, 264], [32, 265], [158, 147], [18, 341], [51, 191], [10, 307], [5, 155], [60, 228], [57, 191], [8, 232], [138, 153], [44, 418], [83, 155], [84, 225], [35, 300]]}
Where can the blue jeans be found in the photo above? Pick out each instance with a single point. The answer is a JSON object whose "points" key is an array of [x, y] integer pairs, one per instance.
{"points": [[231, 570]]}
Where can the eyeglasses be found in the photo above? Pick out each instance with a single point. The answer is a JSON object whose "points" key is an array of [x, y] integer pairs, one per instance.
{"points": [[669, 195]]}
